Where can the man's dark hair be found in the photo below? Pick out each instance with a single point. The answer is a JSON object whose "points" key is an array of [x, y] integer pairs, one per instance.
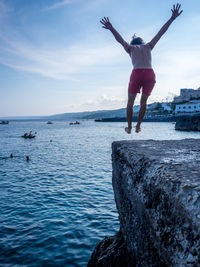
{"points": [[137, 40]]}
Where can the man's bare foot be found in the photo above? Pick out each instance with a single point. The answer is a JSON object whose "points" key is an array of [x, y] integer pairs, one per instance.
{"points": [[128, 130], [137, 129]]}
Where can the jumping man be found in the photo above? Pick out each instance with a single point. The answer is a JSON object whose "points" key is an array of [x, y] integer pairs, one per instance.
{"points": [[142, 75]]}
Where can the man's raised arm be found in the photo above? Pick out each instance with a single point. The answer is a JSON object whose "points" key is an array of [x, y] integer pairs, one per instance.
{"points": [[107, 25], [175, 14]]}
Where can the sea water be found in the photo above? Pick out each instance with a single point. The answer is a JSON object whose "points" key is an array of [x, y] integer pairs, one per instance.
{"points": [[55, 207]]}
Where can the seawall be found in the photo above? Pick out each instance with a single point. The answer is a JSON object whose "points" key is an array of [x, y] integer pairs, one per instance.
{"points": [[188, 123], [157, 192]]}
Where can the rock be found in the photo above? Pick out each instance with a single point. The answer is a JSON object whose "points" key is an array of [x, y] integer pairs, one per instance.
{"points": [[188, 123], [111, 252], [157, 192]]}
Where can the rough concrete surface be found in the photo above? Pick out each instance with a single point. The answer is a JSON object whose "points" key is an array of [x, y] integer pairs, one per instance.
{"points": [[157, 192]]}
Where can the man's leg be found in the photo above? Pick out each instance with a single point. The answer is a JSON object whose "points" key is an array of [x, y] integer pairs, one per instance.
{"points": [[129, 111], [143, 102]]}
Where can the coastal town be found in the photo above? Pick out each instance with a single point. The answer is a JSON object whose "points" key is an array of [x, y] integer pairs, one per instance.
{"points": [[187, 103]]}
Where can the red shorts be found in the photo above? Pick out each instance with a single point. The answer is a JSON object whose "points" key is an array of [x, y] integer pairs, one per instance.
{"points": [[141, 78]]}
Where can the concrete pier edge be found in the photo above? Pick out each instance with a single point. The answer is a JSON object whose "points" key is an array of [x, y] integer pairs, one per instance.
{"points": [[157, 192]]}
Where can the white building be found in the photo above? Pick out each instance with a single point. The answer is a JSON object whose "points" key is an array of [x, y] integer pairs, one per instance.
{"points": [[186, 95], [152, 107], [166, 106], [163, 105], [190, 107]]}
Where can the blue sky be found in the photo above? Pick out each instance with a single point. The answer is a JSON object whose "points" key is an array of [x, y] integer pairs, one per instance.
{"points": [[56, 58]]}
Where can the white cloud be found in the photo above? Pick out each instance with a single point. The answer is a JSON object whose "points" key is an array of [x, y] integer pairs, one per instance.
{"points": [[57, 64], [60, 4], [104, 102], [176, 69]]}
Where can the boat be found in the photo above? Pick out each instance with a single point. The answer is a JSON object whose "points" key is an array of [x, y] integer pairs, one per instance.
{"points": [[49, 122], [4, 122], [74, 123], [28, 136]]}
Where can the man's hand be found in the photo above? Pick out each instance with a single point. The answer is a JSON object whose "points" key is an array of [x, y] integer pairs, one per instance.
{"points": [[106, 23], [175, 11]]}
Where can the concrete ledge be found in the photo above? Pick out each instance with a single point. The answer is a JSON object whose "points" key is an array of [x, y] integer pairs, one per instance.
{"points": [[157, 192]]}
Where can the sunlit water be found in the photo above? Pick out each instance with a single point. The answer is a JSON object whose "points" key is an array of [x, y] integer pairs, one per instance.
{"points": [[57, 206]]}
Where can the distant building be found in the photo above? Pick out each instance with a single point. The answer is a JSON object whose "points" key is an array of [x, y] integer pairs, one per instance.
{"points": [[166, 106], [189, 107], [187, 95], [155, 107], [161, 106]]}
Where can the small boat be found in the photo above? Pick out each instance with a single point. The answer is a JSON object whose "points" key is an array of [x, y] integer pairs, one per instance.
{"points": [[4, 122], [28, 136], [49, 122], [74, 123]]}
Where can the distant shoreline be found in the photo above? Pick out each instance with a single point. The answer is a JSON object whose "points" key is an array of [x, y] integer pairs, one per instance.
{"points": [[124, 119]]}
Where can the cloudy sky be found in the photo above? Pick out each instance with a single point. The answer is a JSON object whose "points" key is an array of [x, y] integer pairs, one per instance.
{"points": [[55, 57]]}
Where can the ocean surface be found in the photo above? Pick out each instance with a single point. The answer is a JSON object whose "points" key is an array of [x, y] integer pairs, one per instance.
{"points": [[55, 207]]}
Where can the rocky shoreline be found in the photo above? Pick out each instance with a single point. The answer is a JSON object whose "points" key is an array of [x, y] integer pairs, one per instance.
{"points": [[150, 119], [188, 123]]}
